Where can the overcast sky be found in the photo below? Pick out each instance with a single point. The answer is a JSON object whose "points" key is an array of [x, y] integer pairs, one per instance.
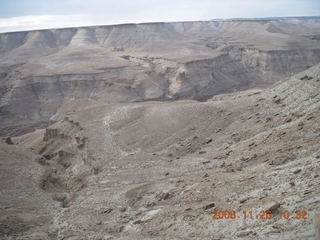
{"points": [[38, 14]]}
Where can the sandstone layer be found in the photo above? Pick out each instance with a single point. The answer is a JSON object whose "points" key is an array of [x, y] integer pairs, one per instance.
{"points": [[141, 131]]}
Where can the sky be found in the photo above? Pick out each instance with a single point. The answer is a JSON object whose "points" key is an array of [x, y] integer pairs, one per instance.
{"points": [[16, 15]]}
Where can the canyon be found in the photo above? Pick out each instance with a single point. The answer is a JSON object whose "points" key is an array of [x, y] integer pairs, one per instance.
{"points": [[141, 131]]}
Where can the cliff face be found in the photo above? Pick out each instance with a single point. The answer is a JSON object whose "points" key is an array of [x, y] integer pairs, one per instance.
{"points": [[157, 170], [43, 72], [91, 153]]}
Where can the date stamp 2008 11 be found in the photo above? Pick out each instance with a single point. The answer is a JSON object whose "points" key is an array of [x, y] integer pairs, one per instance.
{"points": [[263, 214]]}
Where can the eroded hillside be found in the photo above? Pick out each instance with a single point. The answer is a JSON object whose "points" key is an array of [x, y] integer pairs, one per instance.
{"points": [[45, 71], [157, 170], [91, 153]]}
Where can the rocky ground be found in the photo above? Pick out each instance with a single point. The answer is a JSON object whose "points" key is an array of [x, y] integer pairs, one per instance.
{"points": [[145, 131], [44, 74], [157, 170]]}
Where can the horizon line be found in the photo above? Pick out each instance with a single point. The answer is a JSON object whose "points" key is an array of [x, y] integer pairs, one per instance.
{"points": [[164, 22]]}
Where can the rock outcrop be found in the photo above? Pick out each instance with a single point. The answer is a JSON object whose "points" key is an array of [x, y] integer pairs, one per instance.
{"points": [[97, 155], [44, 73]]}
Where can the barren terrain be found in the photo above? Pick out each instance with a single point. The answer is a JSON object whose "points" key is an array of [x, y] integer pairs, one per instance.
{"points": [[141, 131]]}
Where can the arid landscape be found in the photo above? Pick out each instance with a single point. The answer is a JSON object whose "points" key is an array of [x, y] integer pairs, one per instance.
{"points": [[141, 131]]}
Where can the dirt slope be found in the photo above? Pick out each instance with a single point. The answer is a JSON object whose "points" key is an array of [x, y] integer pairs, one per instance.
{"points": [[155, 170], [45, 72]]}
